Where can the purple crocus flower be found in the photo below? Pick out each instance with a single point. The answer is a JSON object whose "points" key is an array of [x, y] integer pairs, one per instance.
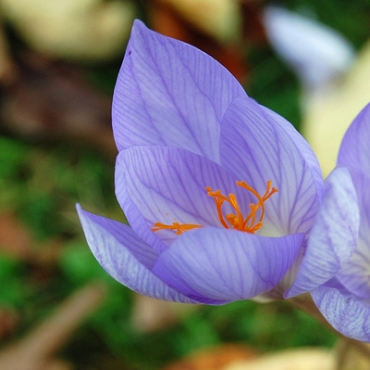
{"points": [[224, 198], [345, 300]]}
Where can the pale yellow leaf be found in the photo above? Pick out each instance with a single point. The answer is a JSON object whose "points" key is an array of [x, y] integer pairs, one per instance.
{"points": [[331, 110]]}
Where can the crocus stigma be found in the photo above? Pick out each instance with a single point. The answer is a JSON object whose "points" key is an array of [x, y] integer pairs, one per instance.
{"points": [[224, 198]]}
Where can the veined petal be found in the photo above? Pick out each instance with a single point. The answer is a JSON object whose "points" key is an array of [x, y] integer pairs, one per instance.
{"points": [[334, 235], [355, 275], [257, 148], [170, 93], [355, 148], [125, 257], [226, 265], [167, 185], [345, 313], [303, 147], [133, 214]]}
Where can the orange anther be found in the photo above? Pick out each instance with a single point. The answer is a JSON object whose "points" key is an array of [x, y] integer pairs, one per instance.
{"points": [[250, 224]]}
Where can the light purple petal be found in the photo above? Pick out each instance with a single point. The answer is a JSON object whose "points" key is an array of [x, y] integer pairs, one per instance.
{"points": [[226, 265], [125, 257], [303, 147], [355, 149], [334, 235], [170, 93], [164, 184], [133, 214], [257, 148], [355, 275], [344, 312]]}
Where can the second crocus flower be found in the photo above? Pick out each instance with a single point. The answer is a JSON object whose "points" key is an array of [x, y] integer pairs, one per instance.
{"points": [[345, 300]]}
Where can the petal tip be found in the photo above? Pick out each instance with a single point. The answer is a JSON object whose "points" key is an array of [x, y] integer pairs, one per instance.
{"points": [[80, 212], [138, 25]]}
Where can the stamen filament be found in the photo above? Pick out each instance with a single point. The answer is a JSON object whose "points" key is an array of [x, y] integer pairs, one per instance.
{"points": [[219, 200]]}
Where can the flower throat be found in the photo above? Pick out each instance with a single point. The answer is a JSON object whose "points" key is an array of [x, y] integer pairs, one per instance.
{"points": [[249, 224]]}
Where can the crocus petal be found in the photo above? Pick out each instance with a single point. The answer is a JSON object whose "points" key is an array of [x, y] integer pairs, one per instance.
{"points": [[334, 235], [226, 265], [355, 275], [355, 148], [125, 257], [164, 184], [344, 312], [257, 148], [301, 143], [170, 93]]}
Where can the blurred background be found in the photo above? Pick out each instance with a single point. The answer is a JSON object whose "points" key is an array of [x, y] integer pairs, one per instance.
{"points": [[307, 60]]}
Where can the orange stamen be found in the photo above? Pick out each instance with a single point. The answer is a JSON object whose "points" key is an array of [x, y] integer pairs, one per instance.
{"points": [[250, 224], [179, 228]]}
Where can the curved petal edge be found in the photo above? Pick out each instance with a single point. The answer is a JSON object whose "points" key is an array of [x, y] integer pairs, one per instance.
{"points": [[334, 235], [344, 312], [118, 251]]}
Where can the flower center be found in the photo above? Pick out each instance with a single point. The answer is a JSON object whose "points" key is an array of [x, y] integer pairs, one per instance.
{"points": [[235, 220]]}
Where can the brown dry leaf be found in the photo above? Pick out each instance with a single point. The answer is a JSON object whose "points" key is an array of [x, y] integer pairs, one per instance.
{"points": [[36, 350], [9, 321], [151, 314], [219, 19], [352, 355], [6, 64], [297, 359], [56, 365], [50, 101], [215, 358], [15, 239], [253, 30], [175, 19]]}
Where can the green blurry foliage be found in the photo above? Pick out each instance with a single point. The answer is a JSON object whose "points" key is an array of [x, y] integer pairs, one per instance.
{"points": [[351, 18], [273, 85], [43, 184], [11, 157], [15, 293]]}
